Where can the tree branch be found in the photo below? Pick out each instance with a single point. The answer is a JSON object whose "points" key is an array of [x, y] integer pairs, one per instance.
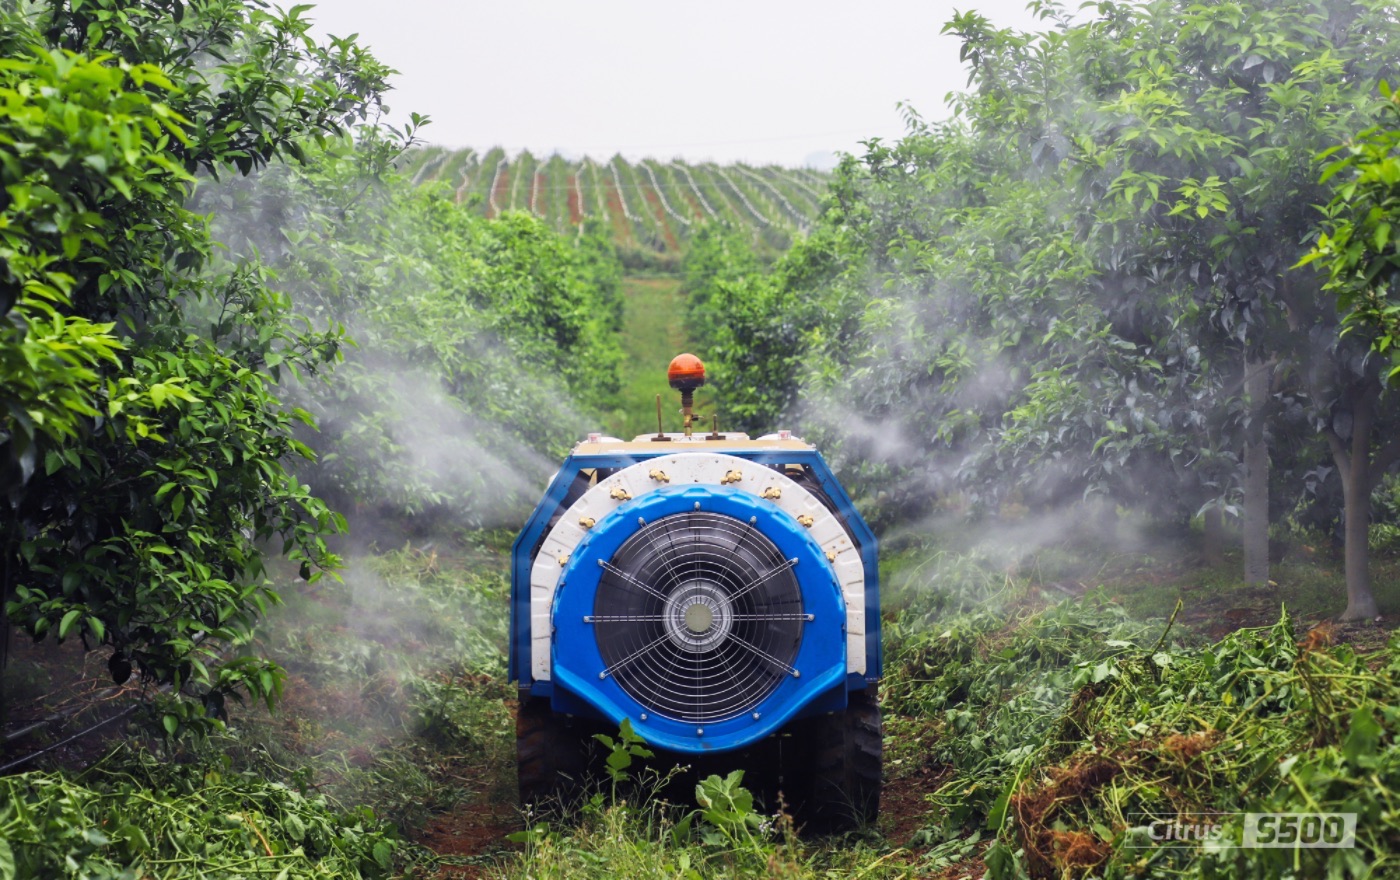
{"points": [[1339, 452]]}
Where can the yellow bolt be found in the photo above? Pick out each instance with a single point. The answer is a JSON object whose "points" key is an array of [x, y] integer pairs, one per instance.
{"points": [[731, 477], [830, 556], [806, 520], [659, 476], [772, 493], [620, 494], [564, 560], [588, 522]]}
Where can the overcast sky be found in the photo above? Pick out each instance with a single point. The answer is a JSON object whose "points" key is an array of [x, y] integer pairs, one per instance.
{"points": [[758, 81]]}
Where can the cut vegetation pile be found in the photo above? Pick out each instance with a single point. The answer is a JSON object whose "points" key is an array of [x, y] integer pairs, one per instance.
{"points": [[182, 820], [1081, 739]]}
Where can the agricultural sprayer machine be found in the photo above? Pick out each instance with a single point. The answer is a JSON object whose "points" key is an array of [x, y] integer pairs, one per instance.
{"points": [[718, 592]]}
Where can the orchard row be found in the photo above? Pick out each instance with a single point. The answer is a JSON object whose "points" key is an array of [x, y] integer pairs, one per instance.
{"points": [[650, 207]]}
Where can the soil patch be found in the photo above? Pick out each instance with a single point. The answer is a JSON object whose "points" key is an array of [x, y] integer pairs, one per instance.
{"points": [[575, 209], [471, 838]]}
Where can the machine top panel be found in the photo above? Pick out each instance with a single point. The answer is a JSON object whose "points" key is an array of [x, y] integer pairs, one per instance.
{"points": [[732, 442]]}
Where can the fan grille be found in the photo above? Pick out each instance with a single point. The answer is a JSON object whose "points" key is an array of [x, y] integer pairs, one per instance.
{"points": [[698, 616]]}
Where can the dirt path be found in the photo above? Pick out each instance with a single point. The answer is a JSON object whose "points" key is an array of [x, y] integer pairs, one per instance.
{"points": [[575, 206], [472, 838], [654, 201]]}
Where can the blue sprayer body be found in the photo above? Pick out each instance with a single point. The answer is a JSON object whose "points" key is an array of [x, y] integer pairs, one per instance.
{"points": [[711, 591]]}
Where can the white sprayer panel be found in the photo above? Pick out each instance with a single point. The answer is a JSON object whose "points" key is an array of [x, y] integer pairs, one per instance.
{"points": [[691, 468]]}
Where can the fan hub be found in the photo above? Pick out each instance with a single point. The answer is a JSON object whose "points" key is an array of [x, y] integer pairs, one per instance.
{"points": [[699, 616]]}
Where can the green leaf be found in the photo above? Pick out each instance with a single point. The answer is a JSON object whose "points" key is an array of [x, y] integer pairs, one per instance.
{"points": [[1104, 671], [171, 723], [997, 814], [295, 828], [383, 854], [619, 760], [67, 622], [1363, 737], [1000, 859]]}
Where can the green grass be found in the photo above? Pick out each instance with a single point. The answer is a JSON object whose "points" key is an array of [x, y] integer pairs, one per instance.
{"points": [[653, 332], [1146, 573], [1215, 599]]}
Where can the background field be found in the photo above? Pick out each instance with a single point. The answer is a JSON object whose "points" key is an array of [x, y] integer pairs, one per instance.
{"points": [[650, 207]]}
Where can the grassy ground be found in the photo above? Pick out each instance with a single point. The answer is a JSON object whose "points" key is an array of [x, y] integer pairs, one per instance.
{"points": [[1048, 698], [395, 712], [1033, 705], [1041, 700], [1147, 568], [653, 332]]}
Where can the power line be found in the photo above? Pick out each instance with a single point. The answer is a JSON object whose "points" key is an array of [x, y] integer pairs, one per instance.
{"points": [[681, 144]]}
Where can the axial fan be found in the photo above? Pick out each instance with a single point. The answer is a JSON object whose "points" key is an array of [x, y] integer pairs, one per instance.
{"points": [[698, 616]]}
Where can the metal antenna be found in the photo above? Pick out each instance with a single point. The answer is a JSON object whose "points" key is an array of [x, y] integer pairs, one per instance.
{"points": [[660, 430]]}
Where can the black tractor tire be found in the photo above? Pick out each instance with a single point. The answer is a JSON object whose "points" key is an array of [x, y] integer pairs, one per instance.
{"points": [[552, 754], [844, 762]]}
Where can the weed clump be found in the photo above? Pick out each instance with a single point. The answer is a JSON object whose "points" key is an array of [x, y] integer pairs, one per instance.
{"points": [[1079, 738], [141, 816], [642, 836]]}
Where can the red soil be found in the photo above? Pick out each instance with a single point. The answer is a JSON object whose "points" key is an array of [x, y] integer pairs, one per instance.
{"points": [[501, 194], [473, 832], [575, 209], [620, 224], [655, 201], [694, 204]]}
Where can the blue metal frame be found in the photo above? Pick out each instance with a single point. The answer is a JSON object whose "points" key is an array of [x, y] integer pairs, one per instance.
{"points": [[519, 660]]}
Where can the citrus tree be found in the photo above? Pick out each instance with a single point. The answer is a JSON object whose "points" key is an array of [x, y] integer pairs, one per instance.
{"points": [[145, 445], [480, 345], [1358, 248]]}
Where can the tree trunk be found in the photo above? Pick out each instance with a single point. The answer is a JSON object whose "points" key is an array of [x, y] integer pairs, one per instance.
{"points": [[1256, 477], [1256, 513], [1361, 605], [1354, 467], [7, 558], [1359, 470], [1213, 522]]}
